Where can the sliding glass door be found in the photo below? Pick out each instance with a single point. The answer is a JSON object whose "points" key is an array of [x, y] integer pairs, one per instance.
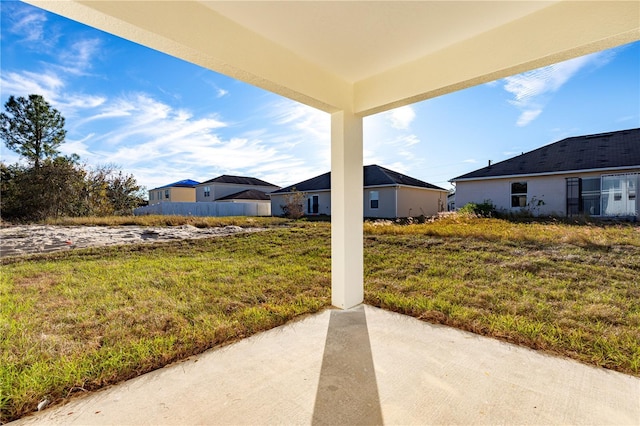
{"points": [[619, 195]]}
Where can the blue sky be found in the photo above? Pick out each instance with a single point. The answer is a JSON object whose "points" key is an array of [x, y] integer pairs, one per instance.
{"points": [[163, 119]]}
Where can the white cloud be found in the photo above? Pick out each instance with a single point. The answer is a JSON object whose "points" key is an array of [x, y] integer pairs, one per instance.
{"points": [[146, 131], [78, 147], [301, 129], [531, 90], [27, 23], [389, 142], [52, 87], [46, 84], [627, 118], [401, 118], [76, 58], [528, 116], [219, 91]]}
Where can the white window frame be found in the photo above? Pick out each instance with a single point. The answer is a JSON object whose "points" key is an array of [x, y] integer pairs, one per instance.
{"points": [[520, 195], [374, 196]]}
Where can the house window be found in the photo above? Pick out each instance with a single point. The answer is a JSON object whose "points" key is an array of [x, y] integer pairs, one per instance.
{"points": [[166, 194], [519, 194], [151, 196], [590, 196], [373, 199], [583, 196], [313, 204], [159, 195], [207, 191]]}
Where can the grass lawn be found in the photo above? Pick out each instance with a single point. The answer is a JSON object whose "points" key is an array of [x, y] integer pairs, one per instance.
{"points": [[78, 320], [569, 290]]}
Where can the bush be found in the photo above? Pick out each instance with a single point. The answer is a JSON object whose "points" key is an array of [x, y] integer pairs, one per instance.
{"points": [[294, 206], [484, 209]]}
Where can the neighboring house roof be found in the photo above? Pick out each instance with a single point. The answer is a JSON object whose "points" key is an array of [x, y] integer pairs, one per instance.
{"points": [[249, 194], [374, 175], [186, 183], [611, 150], [240, 180]]}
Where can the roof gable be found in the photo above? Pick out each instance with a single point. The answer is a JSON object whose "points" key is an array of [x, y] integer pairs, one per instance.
{"points": [[599, 151], [374, 175], [240, 180]]}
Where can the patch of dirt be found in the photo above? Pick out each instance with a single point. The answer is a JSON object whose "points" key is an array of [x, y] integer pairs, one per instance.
{"points": [[28, 239]]}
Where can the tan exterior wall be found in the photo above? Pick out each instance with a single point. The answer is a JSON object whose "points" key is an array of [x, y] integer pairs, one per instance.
{"points": [[410, 201], [176, 194], [413, 202], [276, 201], [219, 190], [552, 190], [386, 202], [324, 203]]}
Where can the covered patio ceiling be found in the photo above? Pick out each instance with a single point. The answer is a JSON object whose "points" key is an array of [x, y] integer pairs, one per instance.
{"points": [[356, 58]]}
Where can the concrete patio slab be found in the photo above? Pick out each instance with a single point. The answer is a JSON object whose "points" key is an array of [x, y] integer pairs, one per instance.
{"points": [[362, 366]]}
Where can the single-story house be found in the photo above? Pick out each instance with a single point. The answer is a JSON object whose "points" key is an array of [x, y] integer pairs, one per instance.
{"points": [[595, 175], [181, 191], [387, 194], [234, 188]]}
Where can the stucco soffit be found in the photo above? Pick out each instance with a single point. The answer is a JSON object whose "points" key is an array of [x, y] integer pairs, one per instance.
{"points": [[190, 31], [559, 32]]}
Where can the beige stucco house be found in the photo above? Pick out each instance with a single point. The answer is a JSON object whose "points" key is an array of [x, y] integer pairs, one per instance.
{"points": [[181, 192], [387, 194], [234, 189], [594, 175]]}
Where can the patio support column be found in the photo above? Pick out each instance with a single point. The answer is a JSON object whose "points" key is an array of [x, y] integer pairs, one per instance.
{"points": [[347, 288]]}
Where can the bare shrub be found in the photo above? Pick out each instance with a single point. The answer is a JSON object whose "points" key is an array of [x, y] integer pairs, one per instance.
{"points": [[294, 205]]}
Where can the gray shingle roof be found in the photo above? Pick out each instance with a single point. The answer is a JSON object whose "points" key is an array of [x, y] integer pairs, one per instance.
{"points": [[374, 175], [249, 194], [600, 151], [240, 180]]}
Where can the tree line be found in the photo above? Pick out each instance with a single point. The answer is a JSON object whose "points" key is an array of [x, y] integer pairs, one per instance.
{"points": [[48, 184]]}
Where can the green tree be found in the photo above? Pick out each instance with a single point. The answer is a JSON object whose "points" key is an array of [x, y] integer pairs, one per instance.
{"points": [[110, 191], [52, 190], [124, 193], [32, 128], [52, 185], [10, 200]]}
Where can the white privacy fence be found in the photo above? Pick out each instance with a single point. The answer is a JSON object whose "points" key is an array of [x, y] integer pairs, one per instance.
{"points": [[215, 209]]}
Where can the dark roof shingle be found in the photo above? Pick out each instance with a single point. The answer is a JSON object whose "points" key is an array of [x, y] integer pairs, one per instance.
{"points": [[600, 151], [249, 194], [240, 180], [374, 175]]}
